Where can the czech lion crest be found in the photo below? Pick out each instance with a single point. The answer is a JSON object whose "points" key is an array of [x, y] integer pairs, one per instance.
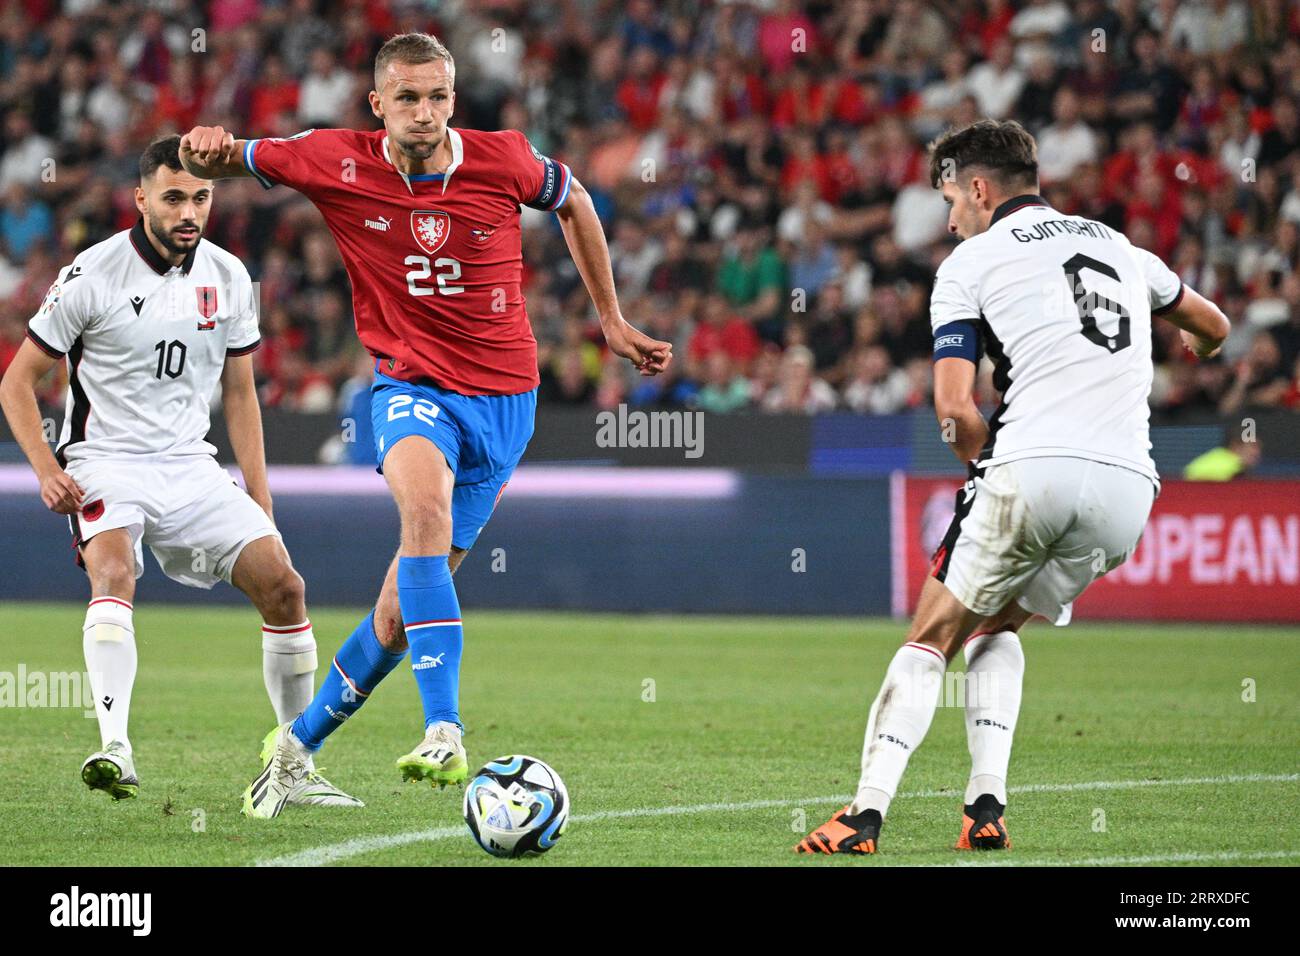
{"points": [[430, 228]]}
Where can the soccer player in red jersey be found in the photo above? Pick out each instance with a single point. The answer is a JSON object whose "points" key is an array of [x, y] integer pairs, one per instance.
{"points": [[427, 220]]}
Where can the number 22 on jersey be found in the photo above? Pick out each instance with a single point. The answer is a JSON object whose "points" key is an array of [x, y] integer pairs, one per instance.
{"points": [[423, 271]]}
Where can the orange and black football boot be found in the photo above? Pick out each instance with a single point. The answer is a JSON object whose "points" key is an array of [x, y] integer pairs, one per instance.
{"points": [[982, 826], [843, 833]]}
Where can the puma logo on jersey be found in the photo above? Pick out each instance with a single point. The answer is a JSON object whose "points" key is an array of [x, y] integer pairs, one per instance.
{"points": [[482, 235], [381, 223]]}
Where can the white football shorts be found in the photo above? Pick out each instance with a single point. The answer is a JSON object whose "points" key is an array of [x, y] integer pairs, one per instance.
{"points": [[1039, 531], [187, 509]]}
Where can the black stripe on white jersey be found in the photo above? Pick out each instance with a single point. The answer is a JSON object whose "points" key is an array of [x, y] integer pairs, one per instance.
{"points": [[80, 402], [992, 346], [965, 501]]}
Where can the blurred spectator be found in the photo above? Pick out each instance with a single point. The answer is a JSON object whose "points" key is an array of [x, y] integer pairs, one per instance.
{"points": [[829, 331], [147, 50], [179, 102], [325, 91], [1282, 138], [1208, 26], [678, 270], [1068, 142], [724, 389], [941, 96], [915, 30], [997, 82], [1261, 378], [1150, 88], [639, 94], [813, 263], [721, 330], [797, 389], [304, 32], [853, 275], [1223, 464], [874, 385], [24, 223], [569, 383], [111, 102], [27, 154], [752, 275], [634, 256], [808, 208]]}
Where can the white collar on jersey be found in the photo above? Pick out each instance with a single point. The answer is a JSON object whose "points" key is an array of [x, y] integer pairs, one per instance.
{"points": [[457, 157]]}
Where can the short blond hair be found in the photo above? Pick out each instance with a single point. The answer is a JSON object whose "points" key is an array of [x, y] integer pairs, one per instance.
{"points": [[411, 48]]}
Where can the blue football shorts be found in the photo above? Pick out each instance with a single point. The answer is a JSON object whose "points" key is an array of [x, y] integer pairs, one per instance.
{"points": [[481, 436]]}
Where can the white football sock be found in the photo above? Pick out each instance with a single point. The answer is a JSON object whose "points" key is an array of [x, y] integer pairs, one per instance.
{"points": [[898, 723], [995, 669], [289, 667], [108, 641]]}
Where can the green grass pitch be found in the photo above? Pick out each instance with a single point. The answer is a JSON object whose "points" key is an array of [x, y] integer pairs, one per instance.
{"points": [[648, 719]]}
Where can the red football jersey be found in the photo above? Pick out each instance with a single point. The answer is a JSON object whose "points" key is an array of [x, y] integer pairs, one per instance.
{"points": [[434, 259]]}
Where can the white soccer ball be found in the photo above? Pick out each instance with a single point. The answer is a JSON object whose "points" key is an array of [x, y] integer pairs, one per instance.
{"points": [[516, 806]]}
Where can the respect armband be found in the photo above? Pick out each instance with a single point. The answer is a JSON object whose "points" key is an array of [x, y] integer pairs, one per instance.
{"points": [[957, 340]]}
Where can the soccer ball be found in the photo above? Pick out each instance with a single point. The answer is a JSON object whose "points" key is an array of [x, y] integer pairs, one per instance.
{"points": [[516, 806]]}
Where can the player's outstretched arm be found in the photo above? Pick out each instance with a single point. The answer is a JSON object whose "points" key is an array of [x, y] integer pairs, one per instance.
{"points": [[244, 425], [209, 152], [586, 239], [18, 398], [1205, 327]]}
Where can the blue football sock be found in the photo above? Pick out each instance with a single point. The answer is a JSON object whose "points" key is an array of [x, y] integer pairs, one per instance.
{"points": [[358, 667], [431, 616]]}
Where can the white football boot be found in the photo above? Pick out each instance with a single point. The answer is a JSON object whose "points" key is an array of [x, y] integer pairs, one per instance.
{"points": [[287, 766], [316, 791], [111, 770], [439, 758]]}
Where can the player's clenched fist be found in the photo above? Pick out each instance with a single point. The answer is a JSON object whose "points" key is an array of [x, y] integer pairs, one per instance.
{"points": [[650, 356], [1198, 346], [60, 493], [206, 148]]}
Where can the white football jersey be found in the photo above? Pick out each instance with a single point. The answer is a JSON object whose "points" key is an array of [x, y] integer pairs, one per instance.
{"points": [[145, 343], [1062, 305]]}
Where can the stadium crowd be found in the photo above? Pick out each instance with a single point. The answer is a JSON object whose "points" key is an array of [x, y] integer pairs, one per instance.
{"points": [[760, 167]]}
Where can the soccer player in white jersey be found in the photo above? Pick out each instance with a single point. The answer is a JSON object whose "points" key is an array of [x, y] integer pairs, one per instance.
{"points": [[1060, 478], [149, 321]]}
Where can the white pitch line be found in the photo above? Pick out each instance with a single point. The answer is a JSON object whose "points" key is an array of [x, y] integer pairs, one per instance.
{"points": [[324, 855], [1220, 857]]}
